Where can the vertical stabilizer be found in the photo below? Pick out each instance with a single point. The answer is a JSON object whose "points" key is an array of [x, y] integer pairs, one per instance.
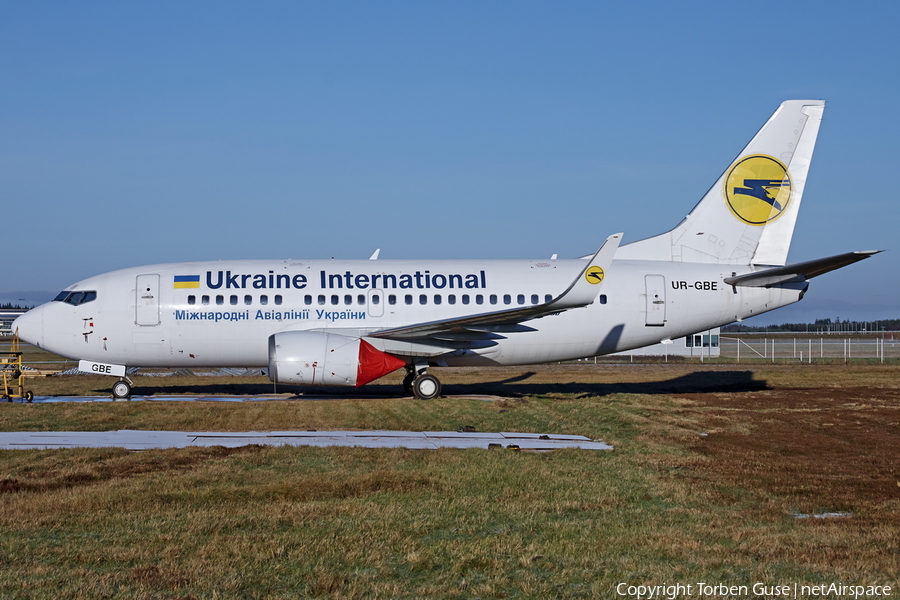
{"points": [[748, 215]]}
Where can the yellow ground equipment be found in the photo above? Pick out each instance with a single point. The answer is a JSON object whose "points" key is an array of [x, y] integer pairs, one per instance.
{"points": [[13, 376]]}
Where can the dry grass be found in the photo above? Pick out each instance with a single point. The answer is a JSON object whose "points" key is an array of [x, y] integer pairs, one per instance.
{"points": [[667, 505]]}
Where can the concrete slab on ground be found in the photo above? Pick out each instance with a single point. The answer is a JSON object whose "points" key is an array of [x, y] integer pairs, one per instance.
{"points": [[145, 440]]}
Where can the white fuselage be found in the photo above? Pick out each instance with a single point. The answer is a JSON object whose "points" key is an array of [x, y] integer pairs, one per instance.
{"points": [[338, 322], [145, 317]]}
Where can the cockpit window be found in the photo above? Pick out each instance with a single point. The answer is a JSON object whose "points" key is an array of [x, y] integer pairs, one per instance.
{"points": [[76, 298]]}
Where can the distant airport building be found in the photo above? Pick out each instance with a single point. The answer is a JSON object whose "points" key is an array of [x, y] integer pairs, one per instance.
{"points": [[704, 343], [7, 316]]}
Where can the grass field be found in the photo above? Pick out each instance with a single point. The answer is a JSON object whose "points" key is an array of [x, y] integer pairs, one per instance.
{"points": [[712, 467]]}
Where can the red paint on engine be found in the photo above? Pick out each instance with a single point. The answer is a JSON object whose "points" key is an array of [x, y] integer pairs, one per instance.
{"points": [[374, 363]]}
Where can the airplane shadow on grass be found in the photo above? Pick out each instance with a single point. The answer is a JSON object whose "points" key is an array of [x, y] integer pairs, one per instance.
{"points": [[514, 387], [697, 382]]}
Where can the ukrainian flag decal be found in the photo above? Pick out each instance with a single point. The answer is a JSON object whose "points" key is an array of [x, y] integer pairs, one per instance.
{"points": [[187, 281]]}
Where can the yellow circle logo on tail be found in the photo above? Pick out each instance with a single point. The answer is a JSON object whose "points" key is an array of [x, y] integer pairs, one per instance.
{"points": [[594, 275], [758, 189]]}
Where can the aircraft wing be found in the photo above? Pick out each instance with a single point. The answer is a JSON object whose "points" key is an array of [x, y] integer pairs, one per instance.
{"points": [[581, 292], [799, 271]]}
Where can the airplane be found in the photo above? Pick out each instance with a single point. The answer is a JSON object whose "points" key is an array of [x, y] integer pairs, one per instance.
{"points": [[349, 322]]}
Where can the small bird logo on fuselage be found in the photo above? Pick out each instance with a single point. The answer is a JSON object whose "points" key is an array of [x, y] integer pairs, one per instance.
{"points": [[594, 275]]}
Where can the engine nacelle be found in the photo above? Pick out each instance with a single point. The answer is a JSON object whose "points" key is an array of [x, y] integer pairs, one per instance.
{"points": [[317, 358]]}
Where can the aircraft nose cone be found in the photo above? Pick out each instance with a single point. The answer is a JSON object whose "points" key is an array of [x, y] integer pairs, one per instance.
{"points": [[30, 327]]}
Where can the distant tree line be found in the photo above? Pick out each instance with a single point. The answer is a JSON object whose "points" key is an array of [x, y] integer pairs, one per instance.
{"points": [[11, 306], [820, 325]]}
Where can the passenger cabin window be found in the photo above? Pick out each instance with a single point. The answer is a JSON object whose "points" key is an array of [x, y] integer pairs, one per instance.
{"points": [[507, 299], [307, 299], [204, 300], [547, 297], [493, 298], [263, 299], [437, 298], [220, 300], [248, 300], [602, 298], [535, 299], [278, 299], [392, 299], [479, 299], [465, 299], [423, 299], [408, 299], [451, 299], [361, 299], [233, 300], [192, 300]]}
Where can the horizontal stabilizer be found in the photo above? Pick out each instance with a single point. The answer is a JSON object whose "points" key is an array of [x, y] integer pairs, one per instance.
{"points": [[799, 271]]}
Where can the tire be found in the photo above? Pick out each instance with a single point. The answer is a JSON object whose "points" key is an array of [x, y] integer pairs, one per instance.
{"points": [[426, 387], [408, 384], [121, 390], [29, 396]]}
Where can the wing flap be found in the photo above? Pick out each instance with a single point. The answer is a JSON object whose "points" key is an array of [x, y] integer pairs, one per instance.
{"points": [[425, 347]]}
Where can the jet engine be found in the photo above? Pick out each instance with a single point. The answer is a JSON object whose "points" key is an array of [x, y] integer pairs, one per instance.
{"points": [[318, 358]]}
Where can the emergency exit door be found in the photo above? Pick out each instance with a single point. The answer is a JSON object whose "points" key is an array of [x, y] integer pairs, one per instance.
{"points": [[656, 300], [146, 302], [376, 303]]}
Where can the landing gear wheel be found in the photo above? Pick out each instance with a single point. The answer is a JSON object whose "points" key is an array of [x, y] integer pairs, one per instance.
{"points": [[426, 387], [29, 396], [408, 384], [121, 390]]}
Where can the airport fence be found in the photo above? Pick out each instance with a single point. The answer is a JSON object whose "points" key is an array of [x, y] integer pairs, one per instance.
{"points": [[745, 348], [810, 347]]}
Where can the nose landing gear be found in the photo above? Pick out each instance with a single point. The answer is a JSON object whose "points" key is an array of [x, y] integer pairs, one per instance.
{"points": [[121, 390]]}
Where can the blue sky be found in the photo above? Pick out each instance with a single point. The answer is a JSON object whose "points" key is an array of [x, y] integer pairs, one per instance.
{"points": [[139, 133]]}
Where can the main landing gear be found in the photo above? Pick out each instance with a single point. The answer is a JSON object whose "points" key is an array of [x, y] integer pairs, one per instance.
{"points": [[420, 384]]}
